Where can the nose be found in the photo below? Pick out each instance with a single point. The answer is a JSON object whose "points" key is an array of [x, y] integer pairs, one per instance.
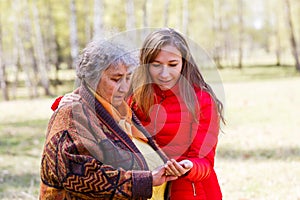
{"points": [[124, 85], [164, 71]]}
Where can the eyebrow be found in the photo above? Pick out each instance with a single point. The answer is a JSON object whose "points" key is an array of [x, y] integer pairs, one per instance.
{"points": [[168, 61]]}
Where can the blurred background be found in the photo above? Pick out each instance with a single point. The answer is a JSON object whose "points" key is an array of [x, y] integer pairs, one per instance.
{"points": [[253, 45]]}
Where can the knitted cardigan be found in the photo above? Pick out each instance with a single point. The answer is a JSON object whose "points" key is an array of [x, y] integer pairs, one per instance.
{"points": [[88, 156]]}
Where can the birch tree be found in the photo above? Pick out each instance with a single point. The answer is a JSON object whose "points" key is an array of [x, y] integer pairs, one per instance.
{"points": [[52, 49], [145, 14], [218, 31], [292, 34], [73, 33], [185, 16], [3, 79], [25, 51], [166, 12], [278, 41], [130, 17], [241, 32], [98, 18], [40, 52], [88, 26], [21, 59]]}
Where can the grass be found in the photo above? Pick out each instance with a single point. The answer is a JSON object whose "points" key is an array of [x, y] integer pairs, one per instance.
{"points": [[258, 155], [22, 130]]}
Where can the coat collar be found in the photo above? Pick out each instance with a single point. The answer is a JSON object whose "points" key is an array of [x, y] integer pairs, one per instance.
{"points": [[175, 90]]}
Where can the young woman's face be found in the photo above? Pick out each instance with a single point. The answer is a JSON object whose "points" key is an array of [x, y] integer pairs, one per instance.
{"points": [[166, 67], [114, 84]]}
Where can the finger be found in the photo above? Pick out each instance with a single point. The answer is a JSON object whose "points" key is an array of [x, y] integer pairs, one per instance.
{"points": [[179, 168], [175, 168], [168, 170], [67, 100], [186, 164], [171, 178], [75, 97]]}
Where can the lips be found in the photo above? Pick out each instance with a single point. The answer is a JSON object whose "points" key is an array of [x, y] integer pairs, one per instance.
{"points": [[118, 97], [165, 82]]}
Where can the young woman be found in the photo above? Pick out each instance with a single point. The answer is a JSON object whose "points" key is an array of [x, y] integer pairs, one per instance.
{"points": [[180, 110]]}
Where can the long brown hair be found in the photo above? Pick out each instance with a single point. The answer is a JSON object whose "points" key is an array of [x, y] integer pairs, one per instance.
{"points": [[141, 84]]}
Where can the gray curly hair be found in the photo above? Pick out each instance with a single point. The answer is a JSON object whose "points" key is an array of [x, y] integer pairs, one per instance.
{"points": [[97, 56]]}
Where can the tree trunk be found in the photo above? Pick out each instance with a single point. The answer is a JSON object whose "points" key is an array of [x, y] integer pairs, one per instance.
{"points": [[292, 34], [52, 50], [3, 78], [166, 13], [146, 17], [30, 61], [185, 16], [216, 31], [130, 19], [21, 29], [145, 14], [40, 52], [98, 18], [241, 33], [278, 45], [88, 26], [73, 33]]}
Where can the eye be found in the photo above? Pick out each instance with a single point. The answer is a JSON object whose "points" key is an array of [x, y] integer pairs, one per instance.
{"points": [[128, 78], [115, 79], [173, 65], [155, 64]]}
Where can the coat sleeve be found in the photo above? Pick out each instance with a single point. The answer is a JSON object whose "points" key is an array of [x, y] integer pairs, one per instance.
{"points": [[73, 162], [205, 138]]}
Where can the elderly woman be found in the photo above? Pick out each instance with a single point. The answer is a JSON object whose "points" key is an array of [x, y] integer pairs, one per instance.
{"points": [[96, 148]]}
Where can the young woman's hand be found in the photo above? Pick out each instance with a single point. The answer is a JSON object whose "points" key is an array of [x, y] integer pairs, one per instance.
{"points": [[178, 168], [69, 98]]}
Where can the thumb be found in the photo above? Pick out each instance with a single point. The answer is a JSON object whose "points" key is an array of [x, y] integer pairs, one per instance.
{"points": [[187, 164], [171, 178]]}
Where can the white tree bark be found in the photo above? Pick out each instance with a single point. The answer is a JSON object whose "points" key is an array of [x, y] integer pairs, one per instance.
{"points": [[278, 42], [166, 13], [241, 33], [292, 34], [88, 26], [40, 51], [73, 33], [3, 78], [145, 14], [98, 18], [130, 19], [185, 17], [218, 32]]}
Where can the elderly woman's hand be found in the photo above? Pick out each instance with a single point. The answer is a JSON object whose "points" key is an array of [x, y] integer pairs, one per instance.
{"points": [[160, 176]]}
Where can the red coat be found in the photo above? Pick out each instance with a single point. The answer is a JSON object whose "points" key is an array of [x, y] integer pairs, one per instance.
{"points": [[181, 137]]}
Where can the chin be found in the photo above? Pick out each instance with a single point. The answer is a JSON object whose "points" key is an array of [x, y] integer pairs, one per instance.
{"points": [[117, 103], [164, 87]]}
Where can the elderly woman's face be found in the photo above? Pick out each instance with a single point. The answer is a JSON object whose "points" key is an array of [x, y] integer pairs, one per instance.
{"points": [[114, 84]]}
